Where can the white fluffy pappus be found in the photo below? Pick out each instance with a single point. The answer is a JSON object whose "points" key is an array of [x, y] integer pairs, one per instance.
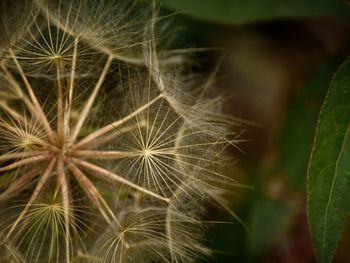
{"points": [[112, 154]]}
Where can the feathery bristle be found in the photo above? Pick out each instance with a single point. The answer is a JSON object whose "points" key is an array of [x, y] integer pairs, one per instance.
{"points": [[88, 108]]}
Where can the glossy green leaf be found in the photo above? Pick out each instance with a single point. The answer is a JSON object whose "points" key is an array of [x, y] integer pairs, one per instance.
{"points": [[329, 169], [247, 11]]}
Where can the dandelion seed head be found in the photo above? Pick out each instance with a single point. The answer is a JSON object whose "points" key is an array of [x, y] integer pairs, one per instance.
{"points": [[93, 117]]}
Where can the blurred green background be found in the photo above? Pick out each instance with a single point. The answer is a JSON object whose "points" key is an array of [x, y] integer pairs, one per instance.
{"points": [[278, 59]]}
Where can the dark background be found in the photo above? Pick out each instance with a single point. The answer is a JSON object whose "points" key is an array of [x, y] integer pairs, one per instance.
{"points": [[278, 59]]}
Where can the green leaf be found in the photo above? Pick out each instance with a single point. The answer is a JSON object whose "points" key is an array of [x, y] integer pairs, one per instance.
{"points": [[248, 11], [298, 131], [329, 169]]}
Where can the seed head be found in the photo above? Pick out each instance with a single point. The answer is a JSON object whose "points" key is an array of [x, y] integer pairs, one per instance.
{"points": [[110, 153]]}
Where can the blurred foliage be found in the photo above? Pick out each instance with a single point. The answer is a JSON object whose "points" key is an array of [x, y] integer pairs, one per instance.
{"points": [[247, 11], [298, 131], [263, 232]]}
